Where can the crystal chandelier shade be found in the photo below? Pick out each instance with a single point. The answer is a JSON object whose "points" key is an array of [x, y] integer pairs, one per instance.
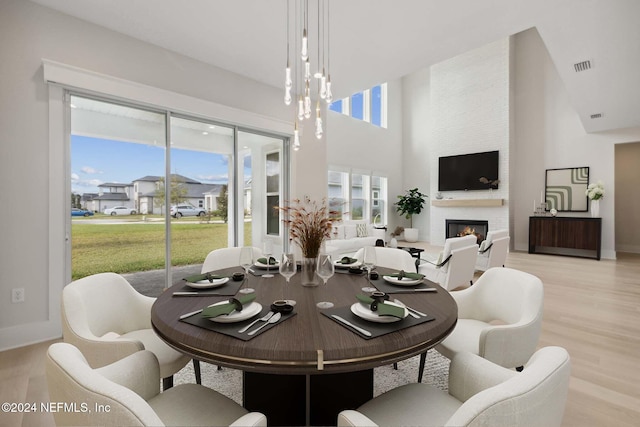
{"points": [[298, 80]]}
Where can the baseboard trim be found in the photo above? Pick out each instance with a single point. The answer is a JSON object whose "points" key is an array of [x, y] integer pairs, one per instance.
{"points": [[32, 333]]}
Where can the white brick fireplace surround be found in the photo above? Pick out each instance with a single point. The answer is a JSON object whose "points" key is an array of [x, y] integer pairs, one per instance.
{"points": [[497, 217], [470, 113]]}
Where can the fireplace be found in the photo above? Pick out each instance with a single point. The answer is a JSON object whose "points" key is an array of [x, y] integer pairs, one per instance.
{"points": [[464, 227]]}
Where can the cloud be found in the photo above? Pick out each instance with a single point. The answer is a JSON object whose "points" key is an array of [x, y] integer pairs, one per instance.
{"points": [[214, 178], [74, 177], [85, 182], [89, 170]]}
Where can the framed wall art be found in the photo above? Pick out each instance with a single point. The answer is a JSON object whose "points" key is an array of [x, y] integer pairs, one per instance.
{"points": [[565, 189]]}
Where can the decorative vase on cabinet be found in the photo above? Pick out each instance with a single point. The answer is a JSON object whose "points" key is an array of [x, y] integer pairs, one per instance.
{"points": [[595, 208]]}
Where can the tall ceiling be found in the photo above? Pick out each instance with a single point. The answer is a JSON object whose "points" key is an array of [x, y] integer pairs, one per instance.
{"points": [[373, 41]]}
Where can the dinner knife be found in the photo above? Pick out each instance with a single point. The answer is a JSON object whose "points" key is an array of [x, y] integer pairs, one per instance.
{"points": [[346, 322], [410, 291], [197, 294]]}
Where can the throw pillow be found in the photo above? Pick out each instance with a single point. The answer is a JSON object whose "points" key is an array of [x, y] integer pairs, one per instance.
{"points": [[361, 230], [350, 231]]}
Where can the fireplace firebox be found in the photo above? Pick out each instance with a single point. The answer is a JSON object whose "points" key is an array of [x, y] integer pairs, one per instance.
{"points": [[464, 227]]}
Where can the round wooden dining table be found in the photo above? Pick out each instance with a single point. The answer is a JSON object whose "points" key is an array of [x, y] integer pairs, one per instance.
{"points": [[309, 362]]}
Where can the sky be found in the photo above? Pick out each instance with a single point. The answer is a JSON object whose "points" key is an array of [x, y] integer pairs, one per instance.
{"points": [[95, 161]]}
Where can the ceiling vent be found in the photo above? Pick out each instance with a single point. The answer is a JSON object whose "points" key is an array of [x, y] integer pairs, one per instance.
{"points": [[582, 66], [596, 116]]}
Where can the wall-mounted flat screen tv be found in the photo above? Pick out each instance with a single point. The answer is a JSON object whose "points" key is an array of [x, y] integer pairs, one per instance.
{"points": [[464, 172]]}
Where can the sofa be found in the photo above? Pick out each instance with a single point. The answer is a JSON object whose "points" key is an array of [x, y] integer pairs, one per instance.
{"points": [[349, 236]]}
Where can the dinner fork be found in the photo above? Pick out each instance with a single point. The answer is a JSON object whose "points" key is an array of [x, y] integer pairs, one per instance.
{"points": [[263, 319]]}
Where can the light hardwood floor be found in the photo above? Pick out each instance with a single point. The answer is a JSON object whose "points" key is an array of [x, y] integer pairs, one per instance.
{"points": [[592, 308]]}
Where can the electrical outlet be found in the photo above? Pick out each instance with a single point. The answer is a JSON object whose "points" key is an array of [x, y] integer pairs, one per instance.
{"points": [[17, 295]]}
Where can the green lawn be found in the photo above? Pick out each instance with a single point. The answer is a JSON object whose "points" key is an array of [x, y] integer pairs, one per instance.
{"points": [[126, 248]]}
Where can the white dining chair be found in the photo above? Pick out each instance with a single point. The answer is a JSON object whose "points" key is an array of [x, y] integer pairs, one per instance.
{"points": [[107, 319], [493, 250], [127, 393], [455, 266], [499, 318], [481, 393], [393, 258], [221, 258]]}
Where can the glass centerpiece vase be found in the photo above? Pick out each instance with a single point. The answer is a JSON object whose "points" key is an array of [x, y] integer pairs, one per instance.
{"points": [[309, 223]]}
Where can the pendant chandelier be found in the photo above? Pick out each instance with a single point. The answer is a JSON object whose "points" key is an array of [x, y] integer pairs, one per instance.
{"points": [[299, 82]]}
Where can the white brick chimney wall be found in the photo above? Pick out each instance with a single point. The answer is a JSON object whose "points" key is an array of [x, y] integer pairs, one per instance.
{"points": [[469, 114]]}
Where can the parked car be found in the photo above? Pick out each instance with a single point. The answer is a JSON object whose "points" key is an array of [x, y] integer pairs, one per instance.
{"points": [[80, 212], [119, 210], [186, 210]]}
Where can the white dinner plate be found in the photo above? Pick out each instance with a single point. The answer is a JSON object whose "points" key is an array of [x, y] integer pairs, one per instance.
{"points": [[205, 284], [264, 266], [403, 282], [247, 312], [365, 313], [341, 265]]}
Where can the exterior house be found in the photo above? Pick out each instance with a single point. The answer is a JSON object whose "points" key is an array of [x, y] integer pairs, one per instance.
{"points": [[112, 194], [146, 193]]}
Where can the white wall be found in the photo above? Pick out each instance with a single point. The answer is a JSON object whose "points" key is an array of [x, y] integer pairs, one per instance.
{"points": [[30, 33], [459, 106], [416, 153], [358, 145], [549, 135], [514, 101]]}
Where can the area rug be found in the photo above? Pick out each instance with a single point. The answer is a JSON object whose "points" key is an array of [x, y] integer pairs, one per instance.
{"points": [[229, 381]]}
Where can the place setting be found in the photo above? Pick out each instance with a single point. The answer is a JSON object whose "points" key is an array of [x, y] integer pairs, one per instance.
{"points": [[210, 284], [241, 317], [348, 265], [374, 314], [401, 282]]}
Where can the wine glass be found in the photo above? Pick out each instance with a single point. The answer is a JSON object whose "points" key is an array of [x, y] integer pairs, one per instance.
{"points": [[287, 269], [246, 261], [369, 261], [267, 250], [325, 270]]}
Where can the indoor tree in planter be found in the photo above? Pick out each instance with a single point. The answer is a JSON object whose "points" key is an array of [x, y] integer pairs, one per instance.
{"points": [[409, 204]]}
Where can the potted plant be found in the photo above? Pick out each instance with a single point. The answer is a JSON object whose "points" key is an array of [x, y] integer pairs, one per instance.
{"points": [[409, 204]]}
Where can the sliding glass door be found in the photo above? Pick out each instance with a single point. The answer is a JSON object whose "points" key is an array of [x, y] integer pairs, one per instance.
{"points": [[117, 155], [141, 207]]}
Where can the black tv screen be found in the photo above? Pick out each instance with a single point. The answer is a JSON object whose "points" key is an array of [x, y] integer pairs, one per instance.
{"points": [[464, 172]]}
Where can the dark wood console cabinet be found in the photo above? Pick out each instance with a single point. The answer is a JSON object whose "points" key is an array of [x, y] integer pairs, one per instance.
{"points": [[570, 236]]}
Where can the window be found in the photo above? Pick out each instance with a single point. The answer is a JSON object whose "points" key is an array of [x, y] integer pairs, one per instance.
{"points": [[357, 106], [273, 193], [120, 157], [369, 105], [358, 195], [338, 192]]}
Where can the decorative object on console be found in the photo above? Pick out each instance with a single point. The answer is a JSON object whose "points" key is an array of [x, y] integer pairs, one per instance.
{"points": [[393, 243], [595, 192], [409, 204], [564, 189]]}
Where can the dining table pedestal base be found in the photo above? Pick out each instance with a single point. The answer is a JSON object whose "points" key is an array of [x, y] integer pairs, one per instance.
{"points": [[298, 400]]}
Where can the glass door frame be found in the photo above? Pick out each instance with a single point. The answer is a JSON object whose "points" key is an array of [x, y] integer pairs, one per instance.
{"points": [[168, 114]]}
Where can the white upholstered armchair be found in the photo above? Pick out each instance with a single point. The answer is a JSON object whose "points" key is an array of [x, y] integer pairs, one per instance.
{"points": [[456, 264], [499, 318], [481, 393], [221, 258], [397, 259], [127, 393], [493, 250], [107, 319]]}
